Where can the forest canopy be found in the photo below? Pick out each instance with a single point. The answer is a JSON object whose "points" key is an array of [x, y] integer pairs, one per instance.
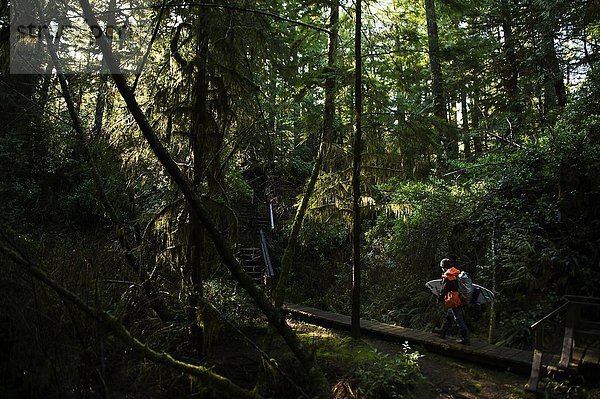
{"points": [[176, 181]]}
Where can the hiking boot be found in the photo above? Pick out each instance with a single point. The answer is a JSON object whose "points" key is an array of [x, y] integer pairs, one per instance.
{"points": [[465, 337]]}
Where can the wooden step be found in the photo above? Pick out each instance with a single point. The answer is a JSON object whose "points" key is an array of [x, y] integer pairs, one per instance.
{"points": [[251, 259], [589, 355]]}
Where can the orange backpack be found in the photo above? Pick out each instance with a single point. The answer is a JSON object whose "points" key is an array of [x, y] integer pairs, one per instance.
{"points": [[452, 300]]}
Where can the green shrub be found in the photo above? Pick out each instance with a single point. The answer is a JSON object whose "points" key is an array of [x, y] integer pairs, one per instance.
{"points": [[389, 376], [361, 371]]}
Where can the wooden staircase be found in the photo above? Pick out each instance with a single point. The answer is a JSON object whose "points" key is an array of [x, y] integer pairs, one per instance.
{"points": [[580, 353], [253, 251]]}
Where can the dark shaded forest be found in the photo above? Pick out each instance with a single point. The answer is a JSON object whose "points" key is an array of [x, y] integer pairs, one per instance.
{"points": [[174, 173]]}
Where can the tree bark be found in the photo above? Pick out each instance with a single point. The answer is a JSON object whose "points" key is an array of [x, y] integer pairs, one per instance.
{"points": [[478, 144], [103, 84], [555, 92], [514, 104], [437, 83], [511, 74], [199, 126]]}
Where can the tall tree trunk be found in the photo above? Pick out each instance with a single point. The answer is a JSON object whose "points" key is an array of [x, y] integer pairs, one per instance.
{"points": [[492, 310], [102, 85], [199, 125], [356, 229], [452, 128], [437, 82], [555, 92], [511, 75], [331, 71], [100, 105], [47, 78]]}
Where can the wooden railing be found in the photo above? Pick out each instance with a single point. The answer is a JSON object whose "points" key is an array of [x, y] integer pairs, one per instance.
{"points": [[269, 270], [577, 325]]}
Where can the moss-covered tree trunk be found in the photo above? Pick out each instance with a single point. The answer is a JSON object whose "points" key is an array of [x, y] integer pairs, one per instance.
{"points": [[199, 325]]}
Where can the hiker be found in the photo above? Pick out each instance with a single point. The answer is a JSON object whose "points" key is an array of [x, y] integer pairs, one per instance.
{"points": [[453, 302]]}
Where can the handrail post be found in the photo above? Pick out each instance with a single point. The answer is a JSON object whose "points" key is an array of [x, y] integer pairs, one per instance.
{"points": [[567, 347], [536, 363]]}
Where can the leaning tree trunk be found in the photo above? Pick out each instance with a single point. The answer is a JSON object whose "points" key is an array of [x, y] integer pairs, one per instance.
{"points": [[273, 315], [325, 139]]}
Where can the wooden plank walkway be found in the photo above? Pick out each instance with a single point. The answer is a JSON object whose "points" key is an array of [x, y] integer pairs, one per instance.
{"points": [[514, 360]]}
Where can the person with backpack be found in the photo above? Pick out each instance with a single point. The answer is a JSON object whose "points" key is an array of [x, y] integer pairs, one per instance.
{"points": [[453, 301]]}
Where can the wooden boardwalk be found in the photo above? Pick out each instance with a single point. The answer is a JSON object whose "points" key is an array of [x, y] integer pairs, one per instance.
{"points": [[515, 360]]}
